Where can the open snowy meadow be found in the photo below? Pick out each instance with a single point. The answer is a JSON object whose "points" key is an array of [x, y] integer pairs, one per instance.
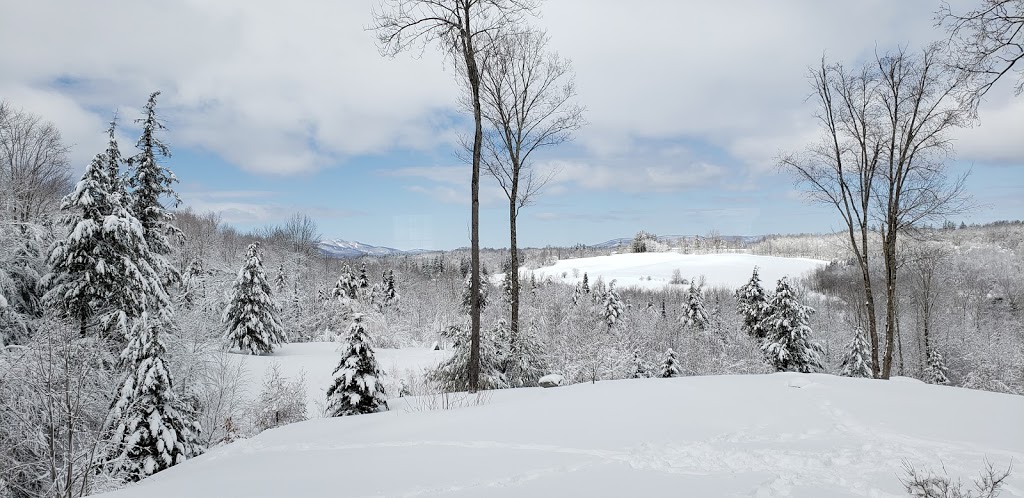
{"points": [[786, 434], [655, 270]]}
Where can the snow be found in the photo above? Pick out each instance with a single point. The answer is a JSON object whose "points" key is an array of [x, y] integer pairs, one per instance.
{"points": [[319, 359], [693, 436], [632, 270]]}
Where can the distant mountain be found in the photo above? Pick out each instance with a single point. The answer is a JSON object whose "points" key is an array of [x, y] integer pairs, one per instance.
{"points": [[675, 240], [338, 248]]}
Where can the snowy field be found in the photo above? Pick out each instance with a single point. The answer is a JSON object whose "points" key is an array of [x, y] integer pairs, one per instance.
{"points": [[653, 270], [803, 435], [318, 360]]}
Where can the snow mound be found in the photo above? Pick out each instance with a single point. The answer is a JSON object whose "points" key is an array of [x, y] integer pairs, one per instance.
{"points": [[694, 436], [654, 270]]}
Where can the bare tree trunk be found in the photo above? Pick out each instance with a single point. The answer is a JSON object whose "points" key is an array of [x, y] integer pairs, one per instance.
{"points": [[514, 270], [473, 75]]}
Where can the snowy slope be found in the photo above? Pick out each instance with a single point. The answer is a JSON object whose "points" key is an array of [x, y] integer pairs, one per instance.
{"points": [[768, 435], [317, 361], [351, 249], [633, 270]]}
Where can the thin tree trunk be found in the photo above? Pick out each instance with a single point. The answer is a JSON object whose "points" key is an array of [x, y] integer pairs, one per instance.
{"points": [[473, 75], [889, 254], [514, 254]]}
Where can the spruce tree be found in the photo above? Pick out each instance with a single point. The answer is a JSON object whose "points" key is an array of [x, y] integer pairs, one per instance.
{"points": [[935, 372], [357, 386], [453, 373], [640, 369], [345, 287], [787, 345], [752, 301], [524, 362], [670, 365], [280, 283], [696, 314], [364, 282], [150, 182], [251, 316], [150, 428], [857, 361], [102, 270], [390, 291], [483, 294], [611, 307], [586, 284]]}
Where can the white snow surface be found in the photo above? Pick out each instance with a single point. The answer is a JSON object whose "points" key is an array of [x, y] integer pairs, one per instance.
{"points": [[730, 270], [752, 435], [318, 361]]}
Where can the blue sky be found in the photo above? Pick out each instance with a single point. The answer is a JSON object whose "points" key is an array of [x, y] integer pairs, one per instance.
{"points": [[274, 108]]}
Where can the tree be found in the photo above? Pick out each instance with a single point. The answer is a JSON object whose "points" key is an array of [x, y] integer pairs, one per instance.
{"points": [[280, 283], [150, 182], [364, 282], [670, 365], [281, 401], [935, 373], [857, 361], [345, 287], [526, 100], [150, 429], [102, 269], [696, 314], [751, 302], [788, 346], [585, 286], [461, 27], [642, 241], [482, 295], [357, 386], [611, 306], [988, 42], [452, 374], [640, 368], [251, 316], [34, 168]]}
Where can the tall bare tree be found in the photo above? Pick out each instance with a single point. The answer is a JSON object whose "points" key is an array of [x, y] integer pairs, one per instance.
{"points": [[527, 102], [34, 169], [841, 169], [988, 41], [883, 158], [461, 28]]}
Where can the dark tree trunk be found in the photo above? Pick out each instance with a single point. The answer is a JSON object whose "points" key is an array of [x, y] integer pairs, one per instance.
{"points": [[473, 74]]}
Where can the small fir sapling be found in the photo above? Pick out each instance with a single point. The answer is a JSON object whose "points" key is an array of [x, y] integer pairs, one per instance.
{"points": [[357, 387]]}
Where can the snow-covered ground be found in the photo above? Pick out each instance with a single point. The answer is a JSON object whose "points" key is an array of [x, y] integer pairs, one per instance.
{"points": [[318, 360], [653, 270], [761, 435]]}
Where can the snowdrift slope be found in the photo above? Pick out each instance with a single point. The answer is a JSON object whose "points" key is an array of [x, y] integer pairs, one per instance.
{"points": [[653, 270], [766, 435]]}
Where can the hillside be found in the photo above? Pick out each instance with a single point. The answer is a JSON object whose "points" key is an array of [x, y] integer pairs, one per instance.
{"points": [[758, 435]]}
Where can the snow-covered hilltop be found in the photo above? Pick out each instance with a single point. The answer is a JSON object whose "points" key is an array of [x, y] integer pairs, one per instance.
{"points": [[338, 248], [760, 435]]}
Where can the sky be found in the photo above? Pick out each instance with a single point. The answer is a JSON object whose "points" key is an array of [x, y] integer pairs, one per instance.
{"points": [[274, 108]]}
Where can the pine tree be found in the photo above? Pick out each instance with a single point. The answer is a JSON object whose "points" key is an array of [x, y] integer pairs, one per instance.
{"points": [[279, 281], [482, 295], [102, 269], [390, 290], [251, 316], [523, 362], [640, 369], [696, 314], [364, 282], [150, 428], [787, 345], [357, 386], [670, 366], [345, 287], [935, 372], [857, 362], [611, 308], [751, 305], [150, 182], [586, 284], [453, 373]]}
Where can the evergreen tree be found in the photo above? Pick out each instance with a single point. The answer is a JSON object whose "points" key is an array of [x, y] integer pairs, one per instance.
{"points": [[696, 314], [586, 284], [611, 308], [150, 429], [102, 269], [357, 386], [935, 372], [279, 281], [751, 304], [576, 293], [524, 362], [453, 373], [251, 316], [640, 368], [150, 182], [857, 362], [787, 345], [482, 297], [670, 366], [345, 287], [364, 282]]}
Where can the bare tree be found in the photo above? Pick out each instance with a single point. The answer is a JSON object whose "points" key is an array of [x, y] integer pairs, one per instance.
{"points": [[527, 95], [988, 41], [461, 27], [882, 159], [34, 171], [840, 170], [301, 233], [924, 261]]}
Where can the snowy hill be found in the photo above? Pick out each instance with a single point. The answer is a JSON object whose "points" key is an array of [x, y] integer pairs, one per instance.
{"points": [[676, 240], [654, 270], [338, 248], [762, 435]]}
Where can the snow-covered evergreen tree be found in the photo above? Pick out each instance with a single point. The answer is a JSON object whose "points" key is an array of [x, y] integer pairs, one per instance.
{"points": [[102, 269], [150, 182], [345, 287], [787, 344], [935, 371], [585, 284], [251, 316], [364, 281], [670, 365], [640, 368], [524, 362], [857, 361], [389, 292], [611, 307], [696, 315], [280, 282], [483, 293], [751, 302], [453, 373], [357, 386], [150, 429]]}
